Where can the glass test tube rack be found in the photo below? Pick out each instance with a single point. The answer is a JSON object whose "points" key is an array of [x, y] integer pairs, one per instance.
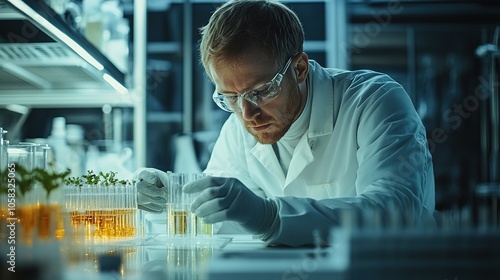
{"points": [[180, 221], [102, 211]]}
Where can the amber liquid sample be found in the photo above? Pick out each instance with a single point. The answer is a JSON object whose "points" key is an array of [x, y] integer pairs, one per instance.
{"points": [[50, 221], [26, 219], [3, 222], [201, 228], [40, 221], [3, 213], [113, 223], [178, 222]]}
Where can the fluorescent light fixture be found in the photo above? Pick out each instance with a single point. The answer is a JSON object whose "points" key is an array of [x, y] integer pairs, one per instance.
{"points": [[59, 34], [115, 84]]}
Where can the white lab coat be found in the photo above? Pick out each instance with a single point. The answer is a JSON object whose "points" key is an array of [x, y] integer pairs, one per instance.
{"points": [[365, 150]]}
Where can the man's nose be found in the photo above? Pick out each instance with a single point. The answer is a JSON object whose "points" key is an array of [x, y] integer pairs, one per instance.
{"points": [[248, 110]]}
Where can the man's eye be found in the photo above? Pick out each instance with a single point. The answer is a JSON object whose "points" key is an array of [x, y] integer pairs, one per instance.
{"points": [[258, 94], [231, 99]]}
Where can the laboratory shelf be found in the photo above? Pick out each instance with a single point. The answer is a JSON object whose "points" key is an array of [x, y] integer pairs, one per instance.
{"points": [[39, 49], [46, 63], [59, 98]]}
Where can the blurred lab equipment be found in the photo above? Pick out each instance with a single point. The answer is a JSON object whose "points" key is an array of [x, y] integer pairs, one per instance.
{"points": [[487, 191], [73, 15], [12, 118], [67, 144], [107, 155], [193, 150], [93, 22], [57, 141], [116, 32], [111, 153], [107, 29], [76, 145]]}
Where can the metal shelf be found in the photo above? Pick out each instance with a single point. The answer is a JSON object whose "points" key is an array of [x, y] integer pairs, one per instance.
{"points": [[59, 98], [44, 62]]}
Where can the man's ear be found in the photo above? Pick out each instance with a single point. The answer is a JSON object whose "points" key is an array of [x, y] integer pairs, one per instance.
{"points": [[302, 67]]}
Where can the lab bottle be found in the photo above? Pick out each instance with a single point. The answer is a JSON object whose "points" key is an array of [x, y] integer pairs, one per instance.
{"points": [[58, 144], [93, 22]]}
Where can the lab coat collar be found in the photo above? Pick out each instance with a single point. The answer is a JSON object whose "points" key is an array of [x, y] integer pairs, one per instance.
{"points": [[320, 124], [323, 112]]}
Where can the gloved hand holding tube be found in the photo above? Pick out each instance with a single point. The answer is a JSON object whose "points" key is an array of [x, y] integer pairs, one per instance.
{"points": [[227, 199], [152, 185]]}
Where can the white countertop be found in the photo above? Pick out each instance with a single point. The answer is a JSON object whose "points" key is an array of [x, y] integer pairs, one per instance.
{"points": [[221, 257]]}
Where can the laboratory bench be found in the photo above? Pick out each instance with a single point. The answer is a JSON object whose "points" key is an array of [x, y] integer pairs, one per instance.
{"points": [[387, 254], [159, 257]]}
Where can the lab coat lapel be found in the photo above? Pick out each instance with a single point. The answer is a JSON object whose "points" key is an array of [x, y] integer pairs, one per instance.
{"points": [[325, 102], [302, 157], [266, 156], [321, 122]]}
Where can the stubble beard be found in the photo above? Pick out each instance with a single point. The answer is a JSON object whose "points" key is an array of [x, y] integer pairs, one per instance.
{"points": [[279, 127]]}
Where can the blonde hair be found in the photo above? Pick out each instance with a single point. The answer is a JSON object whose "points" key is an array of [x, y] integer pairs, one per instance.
{"points": [[240, 25]]}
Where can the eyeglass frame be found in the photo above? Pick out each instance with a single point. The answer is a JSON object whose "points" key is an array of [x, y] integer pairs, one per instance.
{"points": [[270, 95]]}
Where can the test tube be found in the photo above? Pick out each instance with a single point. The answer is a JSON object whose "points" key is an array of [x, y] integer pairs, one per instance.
{"points": [[3, 151], [3, 196], [199, 227], [177, 207], [102, 211], [41, 156], [22, 154]]}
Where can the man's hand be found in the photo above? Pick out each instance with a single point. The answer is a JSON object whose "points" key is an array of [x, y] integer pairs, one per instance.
{"points": [[227, 199], [152, 185]]}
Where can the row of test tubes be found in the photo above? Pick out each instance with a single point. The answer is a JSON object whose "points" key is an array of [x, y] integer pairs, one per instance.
{"points": [[98, 211], [180, 221]]}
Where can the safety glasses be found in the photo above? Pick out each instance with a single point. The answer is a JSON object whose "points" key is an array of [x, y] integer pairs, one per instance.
{"points": [[259, 96]]}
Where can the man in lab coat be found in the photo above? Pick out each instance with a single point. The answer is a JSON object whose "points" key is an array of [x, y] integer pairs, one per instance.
{"points": [[304, 144]]}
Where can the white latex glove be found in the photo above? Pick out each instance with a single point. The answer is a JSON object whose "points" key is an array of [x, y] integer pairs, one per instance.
{"points": [[227, 199], [152, 185]]}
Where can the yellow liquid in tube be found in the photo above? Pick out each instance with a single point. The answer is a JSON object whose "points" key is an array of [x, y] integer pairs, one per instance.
{"points": [[201, 228], [113, 223], [178, 222]]}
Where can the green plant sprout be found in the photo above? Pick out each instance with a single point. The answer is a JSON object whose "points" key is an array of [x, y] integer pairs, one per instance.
{"points": [[24, 179], [76, 181], [102, 178], [3, 181], [50, 179]]}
